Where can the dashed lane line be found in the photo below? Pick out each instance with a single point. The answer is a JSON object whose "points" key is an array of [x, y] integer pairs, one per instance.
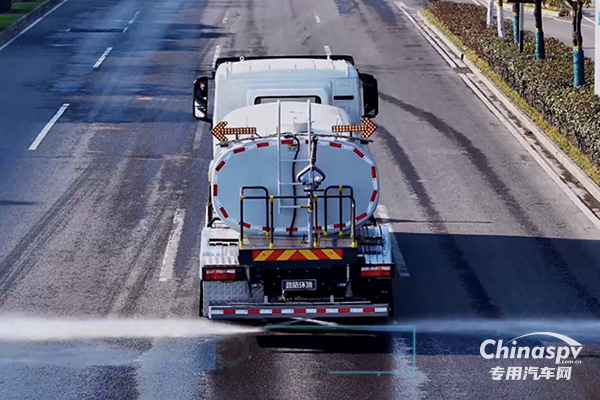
{"points": [[48, 126]]}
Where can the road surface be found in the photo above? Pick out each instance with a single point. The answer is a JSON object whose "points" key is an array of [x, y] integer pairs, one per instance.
{"points": [[87, 208]]}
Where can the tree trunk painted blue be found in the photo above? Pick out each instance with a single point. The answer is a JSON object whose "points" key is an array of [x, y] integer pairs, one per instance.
{"points": [[578, 70], [516, 26], [540, 50]]}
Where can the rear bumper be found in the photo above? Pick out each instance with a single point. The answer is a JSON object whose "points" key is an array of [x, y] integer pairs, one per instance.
{"points": [[271, 311]]}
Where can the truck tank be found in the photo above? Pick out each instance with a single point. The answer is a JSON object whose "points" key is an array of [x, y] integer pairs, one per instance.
{"points": [[265, 161]]}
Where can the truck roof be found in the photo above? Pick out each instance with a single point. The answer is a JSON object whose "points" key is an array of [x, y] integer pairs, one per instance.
{"points": [[283, 67], [264, 117]]}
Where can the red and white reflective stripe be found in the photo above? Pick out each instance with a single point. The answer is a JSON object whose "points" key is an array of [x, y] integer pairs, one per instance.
{"points": [[296, 311], [215, 189], [374, 194], [262, 143], [257, 227]]}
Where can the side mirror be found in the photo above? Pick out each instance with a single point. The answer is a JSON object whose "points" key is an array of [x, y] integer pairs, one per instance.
{"points": [[200, 107], [370, 95]]}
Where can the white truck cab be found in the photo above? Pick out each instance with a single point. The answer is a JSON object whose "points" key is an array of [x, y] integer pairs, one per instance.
{"points": [[330, 80]]}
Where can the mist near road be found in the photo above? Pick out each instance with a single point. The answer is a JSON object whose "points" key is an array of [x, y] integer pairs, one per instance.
{"points": [[24, 328]]}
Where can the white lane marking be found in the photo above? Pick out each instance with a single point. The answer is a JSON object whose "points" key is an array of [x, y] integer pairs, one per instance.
{"points": [[542, 162], [327, 50], [103, 57], [134, 17], [31, 26], [225, 18], [382, 213], [168, 263], [48, 126], [570, 22], [125, 29], [317, 19], [412, 8], [217, 54]]}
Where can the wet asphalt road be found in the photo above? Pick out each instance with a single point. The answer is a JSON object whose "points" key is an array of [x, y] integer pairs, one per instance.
{"points": [[486, 235]]}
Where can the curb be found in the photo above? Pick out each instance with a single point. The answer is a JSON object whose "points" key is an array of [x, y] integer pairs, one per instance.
{"points": [[19, 25], [546, 143], [528, 10]]}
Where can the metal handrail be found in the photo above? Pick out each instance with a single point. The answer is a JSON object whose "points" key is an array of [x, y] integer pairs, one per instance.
{"points": [[340, 189], [242, 197], [270, 209]]}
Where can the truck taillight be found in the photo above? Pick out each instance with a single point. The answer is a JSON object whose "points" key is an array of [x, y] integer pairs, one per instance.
{"points": [[376, 272], [219, 274]]}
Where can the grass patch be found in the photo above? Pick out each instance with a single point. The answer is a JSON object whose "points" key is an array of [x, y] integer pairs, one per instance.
{"points": [[572, 151], [19, 9]]}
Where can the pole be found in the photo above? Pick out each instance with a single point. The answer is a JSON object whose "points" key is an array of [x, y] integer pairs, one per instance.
{"points": [[312, 162], [597, 45], [521, 26]]}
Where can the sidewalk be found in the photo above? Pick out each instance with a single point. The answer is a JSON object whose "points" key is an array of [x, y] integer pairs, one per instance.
{"points": [[557, 27]]}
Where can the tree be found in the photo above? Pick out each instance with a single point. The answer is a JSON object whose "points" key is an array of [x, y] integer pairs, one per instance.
{"points": [[516, 9], [490, 13], [5, 5], [578, 57], [500, 18], [540, 50]]}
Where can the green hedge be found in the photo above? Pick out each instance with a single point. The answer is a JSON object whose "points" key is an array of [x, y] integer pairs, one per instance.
{"points": [[547, 86], [19, 8]]}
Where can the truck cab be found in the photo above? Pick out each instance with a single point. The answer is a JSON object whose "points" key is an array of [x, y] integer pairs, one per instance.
{"points": [[332, 80]]}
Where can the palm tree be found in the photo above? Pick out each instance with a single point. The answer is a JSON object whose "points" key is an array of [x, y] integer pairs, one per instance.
{"points": [[516, 10], [578, 57], [500, 18], [540, 50]]}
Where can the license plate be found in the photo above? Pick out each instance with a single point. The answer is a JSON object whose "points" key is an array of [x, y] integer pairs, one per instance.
{"points": [[299, 284]]}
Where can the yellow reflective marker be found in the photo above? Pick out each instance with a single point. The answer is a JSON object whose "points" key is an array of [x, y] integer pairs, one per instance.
{"points": [[263, 255], [331, 254], [286, 255], [308, 254]]}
